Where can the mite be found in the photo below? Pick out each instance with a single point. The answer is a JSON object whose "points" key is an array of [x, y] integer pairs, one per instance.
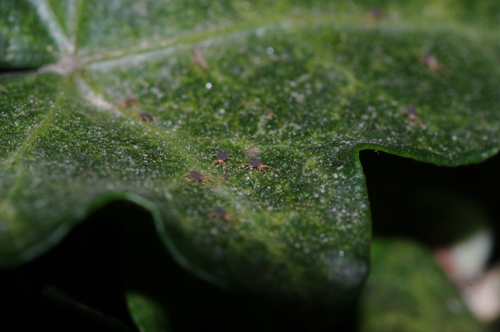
{"points": [[225, 177], [411, 115], [270, 114], [198, 177], [255, 162], [129, 102], [199, 58], [431, 62], [375, 14], [221, 155], [220, 213], [252, 151], [145, 116]]}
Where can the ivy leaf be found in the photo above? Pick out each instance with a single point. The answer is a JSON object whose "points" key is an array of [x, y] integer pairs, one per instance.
{"points": [[148, 315], [302, 85], [407, 291]]}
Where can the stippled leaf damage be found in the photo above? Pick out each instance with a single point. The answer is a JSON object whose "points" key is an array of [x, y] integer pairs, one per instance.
{"points": [[133, 95]]}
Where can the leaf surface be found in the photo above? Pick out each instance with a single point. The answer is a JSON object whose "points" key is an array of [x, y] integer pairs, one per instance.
{"points": [[302, 85]]}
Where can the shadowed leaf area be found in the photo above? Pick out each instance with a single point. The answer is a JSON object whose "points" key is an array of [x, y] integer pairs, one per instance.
{"points": [[131, 96], [103, 257]]}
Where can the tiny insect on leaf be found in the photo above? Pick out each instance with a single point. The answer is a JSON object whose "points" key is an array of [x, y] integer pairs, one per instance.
{"points": [[257, 163], [221, 155]]}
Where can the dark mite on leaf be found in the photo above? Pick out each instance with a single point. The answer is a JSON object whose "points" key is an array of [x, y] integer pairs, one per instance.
{"points": [[198, 177], [129, 102], [411, 115], [257, 163], [145, 116], [221, 155], [153, 156], [225, 176], [337, 164], [220, 213]]}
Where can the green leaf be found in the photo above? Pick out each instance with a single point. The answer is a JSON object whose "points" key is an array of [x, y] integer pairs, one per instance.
{"points": [[24, 41], [208, 71], [148, 315], [407, 291]]}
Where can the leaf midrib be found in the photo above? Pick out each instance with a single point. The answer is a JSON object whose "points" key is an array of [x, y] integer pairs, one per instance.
{"points": [[70, 43]]}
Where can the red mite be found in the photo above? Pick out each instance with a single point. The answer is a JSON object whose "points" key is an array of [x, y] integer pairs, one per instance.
{"points": [[198, 177], [431, 62], [129, 102], [221, 155], [270, 114], [199, 58], [375, 14], [255, 162], [220, 213], [411, 115], [145, 116], [252, 151]]}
